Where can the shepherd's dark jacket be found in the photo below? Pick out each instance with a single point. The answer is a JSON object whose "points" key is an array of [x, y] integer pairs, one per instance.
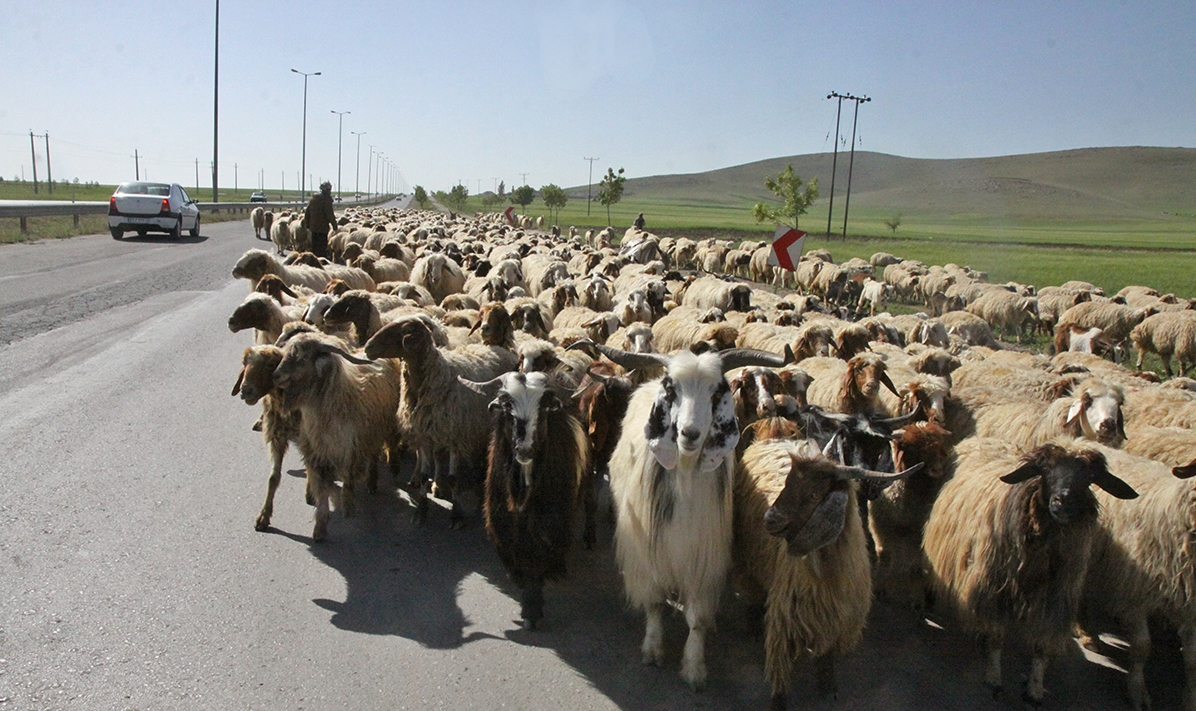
{"points": [[319, 216]]}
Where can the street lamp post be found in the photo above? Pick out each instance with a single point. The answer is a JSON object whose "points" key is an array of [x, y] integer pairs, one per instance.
{"points": [[589, 184], [339, 133], [369, 168], [357, 179], [303, 169]]}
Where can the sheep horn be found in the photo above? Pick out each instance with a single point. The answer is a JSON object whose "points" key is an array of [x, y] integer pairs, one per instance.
{"points": [[902, 420], [733, 358], [329, 348], [481, 388], [631, 361], [878, 477]]}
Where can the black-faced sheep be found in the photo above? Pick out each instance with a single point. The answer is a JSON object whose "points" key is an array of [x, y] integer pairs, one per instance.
{"points": [[1009, 540]]}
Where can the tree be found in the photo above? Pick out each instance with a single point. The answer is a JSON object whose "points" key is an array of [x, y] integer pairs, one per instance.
{"points": [[421, 197], [502, 188], [610, 190], [795, 200], [489, 199], [554, 197], [523, 196], [457, 197], [893, 222]]}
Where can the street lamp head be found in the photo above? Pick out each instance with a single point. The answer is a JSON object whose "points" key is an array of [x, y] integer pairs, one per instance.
{"points": [[315, 74], [296, 71]]}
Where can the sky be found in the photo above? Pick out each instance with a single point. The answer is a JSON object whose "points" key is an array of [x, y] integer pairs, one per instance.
{"points": [[477, 92]]}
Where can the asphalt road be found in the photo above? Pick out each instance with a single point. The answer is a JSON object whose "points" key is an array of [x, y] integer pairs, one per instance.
{"points": [[131, 576]]}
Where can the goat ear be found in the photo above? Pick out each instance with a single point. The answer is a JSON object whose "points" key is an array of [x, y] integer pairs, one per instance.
{"points": [[1112, 485], [661, 429], [1185, 471], [1025, 472], [724, 432], [241, 379]]}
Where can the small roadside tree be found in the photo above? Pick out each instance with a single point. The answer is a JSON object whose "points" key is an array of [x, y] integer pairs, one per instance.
{"points": [[554, 198], [421, 197], [893, 222], [796, 197], [489, 199], [457, 197], [523, 196], [610, 190]]}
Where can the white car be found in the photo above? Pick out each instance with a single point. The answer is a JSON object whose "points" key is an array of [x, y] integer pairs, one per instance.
{"points": [[143, 207]]}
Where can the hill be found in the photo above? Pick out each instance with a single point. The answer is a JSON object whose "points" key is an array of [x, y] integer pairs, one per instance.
{"points": [[1125, 183]]}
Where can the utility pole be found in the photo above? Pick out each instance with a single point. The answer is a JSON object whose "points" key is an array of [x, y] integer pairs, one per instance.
{"points": [[235, 185], [49, 175], [524, 176], [216, 113], [136, 165], [835, 160], [589, 184], [33, 157], [197, 176], [851, 163], [357, 173], [303, 164], [340, 118]]}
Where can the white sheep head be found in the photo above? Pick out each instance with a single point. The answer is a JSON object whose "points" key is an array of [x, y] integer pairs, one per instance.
{"points": [[1095, 413]]}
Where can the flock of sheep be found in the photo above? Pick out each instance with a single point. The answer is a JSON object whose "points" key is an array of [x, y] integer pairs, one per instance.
{"points": [[793, 438]]}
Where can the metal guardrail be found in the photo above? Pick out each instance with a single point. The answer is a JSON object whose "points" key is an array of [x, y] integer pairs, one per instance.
{"points": [[23, 209]]}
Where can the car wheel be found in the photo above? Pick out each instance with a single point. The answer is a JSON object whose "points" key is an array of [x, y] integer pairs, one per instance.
{"points": [[195, 230], [116, 234], [176, 232]]}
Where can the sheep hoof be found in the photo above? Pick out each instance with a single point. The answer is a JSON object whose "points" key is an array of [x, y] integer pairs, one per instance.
{"points": [[997, 691], [653, 658], [779, 702], [320, 532], [589, 539], [532, 607], [257, 426], [694, 675], [262, 523], [1036, 703]]}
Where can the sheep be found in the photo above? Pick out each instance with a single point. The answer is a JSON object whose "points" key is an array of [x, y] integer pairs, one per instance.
{"points": [[884, 259], [537, 456], [437, 413], [365, 311], [1116, 320], [439, 274], [1053, 301], [1009, 540], [1093, 412], [1168, 334], [898, 515], [277, 289], [1005, 310], [634, 307], [383, 269], [799, 554], [567, 366], [602, 400], [970, 328], [682, 328], [1090, 340], [671, 478], [256, 263], [597, 294], [875, 293], [1142, 563], [849, 388], [280, 234], [712, 292], [279, 425], [263, 314], [495, 325], [347, 417], [637, 338], [257, 218]]}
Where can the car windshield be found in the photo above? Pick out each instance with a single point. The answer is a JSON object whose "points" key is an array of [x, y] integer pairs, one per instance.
{"points": [[158, 189]]}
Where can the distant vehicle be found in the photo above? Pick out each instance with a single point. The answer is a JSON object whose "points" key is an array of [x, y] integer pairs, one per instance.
{"points": [[144, 207], [258, 196]]}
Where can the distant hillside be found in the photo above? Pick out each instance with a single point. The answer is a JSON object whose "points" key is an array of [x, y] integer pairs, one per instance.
{"points": [[1090, 183]]}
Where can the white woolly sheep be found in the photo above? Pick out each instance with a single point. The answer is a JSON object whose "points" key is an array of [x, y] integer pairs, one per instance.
{"points": [[1170, 335], [1093, 412]]}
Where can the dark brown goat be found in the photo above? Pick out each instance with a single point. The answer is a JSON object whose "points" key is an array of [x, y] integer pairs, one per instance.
{"points": [[602, 401], [495, 324]]}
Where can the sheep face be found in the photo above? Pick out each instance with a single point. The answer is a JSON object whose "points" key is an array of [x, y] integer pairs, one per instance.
{"points": [[527, 318], [317, 307], [404, 338], [254, 312], [351, 308], [537, 358], [1096, 414], [495, 324], [693, 414], [257, 373], [865, 374], [1065, 480], [741, 298], [639, 338], [754, 391], [252, 265]]}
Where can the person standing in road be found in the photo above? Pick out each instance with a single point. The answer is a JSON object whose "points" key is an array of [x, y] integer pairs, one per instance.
{"points": [[319, 218]]}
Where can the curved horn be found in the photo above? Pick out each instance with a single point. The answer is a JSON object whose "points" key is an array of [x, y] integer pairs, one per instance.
{"points": [[631, 361], [902, 420], [738, 357], [878, 477], [888, 383], [481, 388], [329, 348]]}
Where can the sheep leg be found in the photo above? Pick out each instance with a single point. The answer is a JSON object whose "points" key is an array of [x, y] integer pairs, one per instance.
{"points": [[420, 485], [700, 616], [1034, 685], [1139, 652], [320, 485], [992, 672], [276, 453], [653, 646], [590, 535], [348, 503], [1189, 641], [457, 515], [824, 676], [532, 606], [1166, 363]]}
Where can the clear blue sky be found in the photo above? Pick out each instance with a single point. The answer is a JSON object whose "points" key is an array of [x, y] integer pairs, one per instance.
{"points": [[483, 90]]}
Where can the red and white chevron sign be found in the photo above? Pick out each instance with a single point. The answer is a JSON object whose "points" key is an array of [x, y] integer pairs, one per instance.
{"points": [[786, 247], [509, 213]]}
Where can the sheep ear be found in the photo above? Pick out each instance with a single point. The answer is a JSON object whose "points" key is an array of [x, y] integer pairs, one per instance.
{"points": [[241, 379], [1185, 471], [1025, 472], [1121, 424], [1112, 485], [1077, 408]]}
